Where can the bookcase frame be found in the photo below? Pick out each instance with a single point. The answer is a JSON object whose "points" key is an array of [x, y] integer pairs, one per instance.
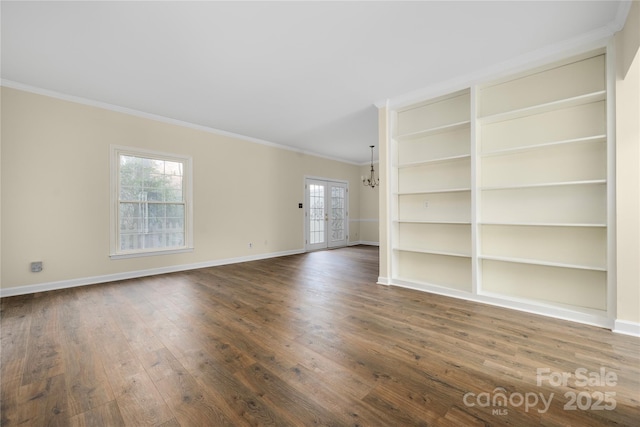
{"points": [[503, 192]]}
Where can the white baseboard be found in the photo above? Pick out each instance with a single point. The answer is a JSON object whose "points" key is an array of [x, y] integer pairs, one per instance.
{"points": [[587, 318], [627, 328], [93, 280], [383, 281]]}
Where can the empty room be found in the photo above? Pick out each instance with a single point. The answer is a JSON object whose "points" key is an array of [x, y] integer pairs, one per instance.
{"points": [[340, 213]]}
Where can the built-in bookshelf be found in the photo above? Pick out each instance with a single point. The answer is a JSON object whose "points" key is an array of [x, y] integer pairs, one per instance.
{"points": [[543, 186], [433, 194], [501, 191]]}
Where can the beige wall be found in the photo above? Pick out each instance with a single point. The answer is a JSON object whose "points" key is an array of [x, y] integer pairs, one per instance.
{"points": [[55, 190], [628, 167], [369, 201]]}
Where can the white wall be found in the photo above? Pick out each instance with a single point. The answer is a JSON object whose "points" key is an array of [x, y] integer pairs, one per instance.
{"points": [[628, 169], [55, 191]]}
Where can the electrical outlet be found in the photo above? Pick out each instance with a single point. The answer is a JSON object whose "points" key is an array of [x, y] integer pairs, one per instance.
{"points": [[426, 204], [36, 266], [250, 245]]}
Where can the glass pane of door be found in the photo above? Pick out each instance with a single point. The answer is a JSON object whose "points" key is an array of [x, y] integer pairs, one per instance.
{"points": [[338, 219], [317, 214]]}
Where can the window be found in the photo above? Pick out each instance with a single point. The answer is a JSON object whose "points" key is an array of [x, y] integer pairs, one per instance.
{"points": [[151, 209]]}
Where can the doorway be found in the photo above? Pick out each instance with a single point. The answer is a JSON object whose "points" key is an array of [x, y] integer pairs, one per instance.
{"points": [[326, 214]]}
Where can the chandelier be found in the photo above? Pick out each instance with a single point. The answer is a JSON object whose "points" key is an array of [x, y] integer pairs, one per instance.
{"points": [[371, 181]]}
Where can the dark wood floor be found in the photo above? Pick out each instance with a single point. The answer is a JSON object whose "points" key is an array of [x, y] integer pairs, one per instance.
{"points": [[300, 340]]}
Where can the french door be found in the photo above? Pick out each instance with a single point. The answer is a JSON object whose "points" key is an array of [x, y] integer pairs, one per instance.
{"points": [[326, 214]]}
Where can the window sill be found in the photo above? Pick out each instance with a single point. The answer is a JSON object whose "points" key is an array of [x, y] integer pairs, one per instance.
{"points": [[127, 255]]}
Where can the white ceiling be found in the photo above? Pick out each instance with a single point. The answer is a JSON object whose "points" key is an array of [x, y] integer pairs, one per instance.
{"points": [[300, 74]]}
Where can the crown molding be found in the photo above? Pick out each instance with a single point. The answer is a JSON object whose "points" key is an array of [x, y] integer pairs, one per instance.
{"points": [[158, 118], [381, 104], [596, 39], [375, 162], [621, 17]]}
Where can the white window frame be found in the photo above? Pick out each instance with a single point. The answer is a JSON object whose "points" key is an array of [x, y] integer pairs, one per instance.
{"points": [[116, 151]]}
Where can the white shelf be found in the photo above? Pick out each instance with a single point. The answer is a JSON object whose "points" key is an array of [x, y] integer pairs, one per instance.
{"points": [[543, 108], [506, 151], [541, 224], [418, 221], [572, 247], [432, 131], [432, 286], [559, 165], [577, 287], [595, 313], [549, 184], [449, 271], [440, 160], [431, 252], [539, 262], [563, 124], [442, 190], [558, 204], [434, 147]]}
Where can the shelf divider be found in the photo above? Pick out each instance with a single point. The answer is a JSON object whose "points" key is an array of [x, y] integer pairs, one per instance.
{"points": [[543, 185], [433, 131], [513, 150], [540, 262], [543, 108], [431, 161]]}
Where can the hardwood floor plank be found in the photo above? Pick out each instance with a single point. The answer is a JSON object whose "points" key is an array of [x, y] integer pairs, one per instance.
{"points": [[39, 403], [457, 417], [396, 412], [191, 403], [287, 401], [86, 382], [334, 375], [138, 335], [305, 339], [11, 401], [245, 403], [14, 336], [349, 410], [138, 399], [43, 350], [204, 361], [104, 415]]}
